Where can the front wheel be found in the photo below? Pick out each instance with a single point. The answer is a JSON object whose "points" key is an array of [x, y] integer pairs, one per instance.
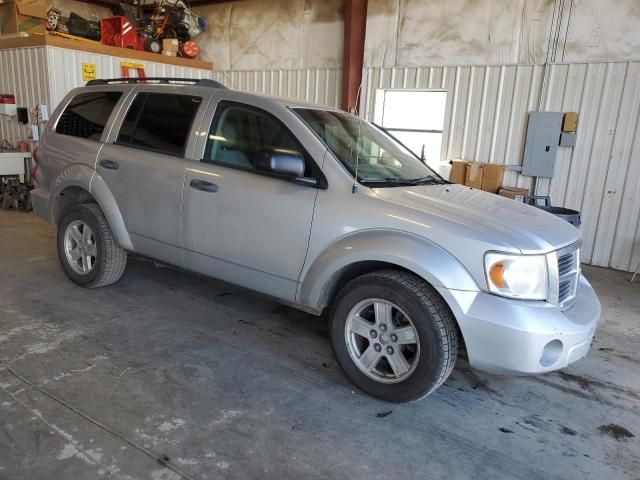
{"points": [[87, 250], [394, 335]]}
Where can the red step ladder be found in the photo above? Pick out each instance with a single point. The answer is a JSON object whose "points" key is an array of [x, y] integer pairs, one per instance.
{"points": [[126, 67]]}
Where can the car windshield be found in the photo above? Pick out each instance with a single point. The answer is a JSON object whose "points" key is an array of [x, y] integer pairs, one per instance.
{"points": [[381, 160]]}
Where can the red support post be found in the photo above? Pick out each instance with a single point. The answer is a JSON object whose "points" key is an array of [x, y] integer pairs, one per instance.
{"points": [[355, 23]]}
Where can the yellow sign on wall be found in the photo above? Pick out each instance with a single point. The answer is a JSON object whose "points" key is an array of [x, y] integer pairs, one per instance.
{"points": [[88, 72]]}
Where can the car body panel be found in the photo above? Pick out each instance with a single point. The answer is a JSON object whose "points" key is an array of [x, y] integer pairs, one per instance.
{"points": [[395, 247]]}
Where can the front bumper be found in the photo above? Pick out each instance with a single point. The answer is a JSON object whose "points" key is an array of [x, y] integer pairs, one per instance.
{"points": [[511, 336]]}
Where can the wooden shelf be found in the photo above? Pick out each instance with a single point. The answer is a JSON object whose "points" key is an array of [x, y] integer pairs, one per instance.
{"points": [[94, 47]]}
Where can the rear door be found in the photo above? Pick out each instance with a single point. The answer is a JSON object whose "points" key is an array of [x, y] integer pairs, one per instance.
{"points": [[144, 164]]}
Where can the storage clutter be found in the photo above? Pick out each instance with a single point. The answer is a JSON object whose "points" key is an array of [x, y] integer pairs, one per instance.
{"points": [[164, 26], [28, 16], [484, 176]]}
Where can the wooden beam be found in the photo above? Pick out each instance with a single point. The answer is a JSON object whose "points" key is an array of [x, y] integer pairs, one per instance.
{"points": [[355, 23]]}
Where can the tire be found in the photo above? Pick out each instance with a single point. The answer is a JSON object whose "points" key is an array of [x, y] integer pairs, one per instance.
{"points": [[152, 45], [417, 312], [110, 260]]}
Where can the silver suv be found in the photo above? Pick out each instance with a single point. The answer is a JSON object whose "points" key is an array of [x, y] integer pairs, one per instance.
{"points": [[320, 210]]}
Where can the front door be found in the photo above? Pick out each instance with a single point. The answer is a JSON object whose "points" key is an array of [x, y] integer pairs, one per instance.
{"points": [[144, 169], [242, 224]]}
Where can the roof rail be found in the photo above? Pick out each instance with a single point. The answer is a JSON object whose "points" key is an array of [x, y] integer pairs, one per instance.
{"points": [[201, 82]]}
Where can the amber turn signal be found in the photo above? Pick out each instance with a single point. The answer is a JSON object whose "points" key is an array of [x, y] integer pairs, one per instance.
{"points": [[496, 272]]}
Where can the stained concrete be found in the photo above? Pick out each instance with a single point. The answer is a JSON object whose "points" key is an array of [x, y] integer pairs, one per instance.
{"points": [[217, 382]]}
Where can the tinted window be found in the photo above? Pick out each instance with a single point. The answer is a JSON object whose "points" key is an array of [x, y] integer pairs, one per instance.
{"points": [[159, 121], [87, 114], [239, 133]]}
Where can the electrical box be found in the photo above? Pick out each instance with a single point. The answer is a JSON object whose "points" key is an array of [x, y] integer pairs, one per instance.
{"points": [[543, 136], [568, 139]]}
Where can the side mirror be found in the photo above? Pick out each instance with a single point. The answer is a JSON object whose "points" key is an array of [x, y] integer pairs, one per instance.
{"points": [[281, 161]]}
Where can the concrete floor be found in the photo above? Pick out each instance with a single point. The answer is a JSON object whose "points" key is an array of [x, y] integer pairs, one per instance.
{"points": [[216, 382]]}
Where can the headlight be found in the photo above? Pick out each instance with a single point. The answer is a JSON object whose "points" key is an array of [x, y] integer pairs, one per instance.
{"points": [[517, 276]]}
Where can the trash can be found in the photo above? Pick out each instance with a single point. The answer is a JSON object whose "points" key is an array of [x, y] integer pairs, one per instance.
{"points": [[571, 216]]}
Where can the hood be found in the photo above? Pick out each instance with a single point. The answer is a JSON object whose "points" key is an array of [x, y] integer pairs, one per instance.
{"points": [[523, 227]]}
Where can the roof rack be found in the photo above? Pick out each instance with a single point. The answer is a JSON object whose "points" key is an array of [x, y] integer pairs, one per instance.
{"points": [[201, 82]]}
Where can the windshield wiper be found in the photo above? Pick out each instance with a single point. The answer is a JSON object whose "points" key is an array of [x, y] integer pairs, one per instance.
{"points": [[428, 180], [403, 182], [392, 181]]}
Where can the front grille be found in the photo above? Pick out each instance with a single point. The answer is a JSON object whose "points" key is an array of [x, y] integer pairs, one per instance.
{"points": [[564, 272], [564, 291], [565, 263]]}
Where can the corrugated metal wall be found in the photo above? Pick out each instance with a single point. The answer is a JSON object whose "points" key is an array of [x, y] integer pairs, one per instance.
{"points": [[45, 75], [486, 121], [313, 85], [22, 74]]}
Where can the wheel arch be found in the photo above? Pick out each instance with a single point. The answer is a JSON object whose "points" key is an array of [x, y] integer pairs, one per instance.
{"points": [[366, 251], [79, 183]]}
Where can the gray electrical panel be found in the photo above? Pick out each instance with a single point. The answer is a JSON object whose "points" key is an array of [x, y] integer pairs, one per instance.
{"points": [[543, 136]]}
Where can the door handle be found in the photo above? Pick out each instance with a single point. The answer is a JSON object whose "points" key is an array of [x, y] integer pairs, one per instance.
{"points": [[203, 185], [110, 164]]}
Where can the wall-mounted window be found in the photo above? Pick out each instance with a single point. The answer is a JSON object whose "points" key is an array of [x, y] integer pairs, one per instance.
{"points": [[416, 118]]}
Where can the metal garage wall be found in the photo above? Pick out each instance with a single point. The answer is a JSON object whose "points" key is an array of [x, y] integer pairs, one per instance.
{"points": [[22, 74], [486, 121], [65, 70], [313, 85], [46, 74]]}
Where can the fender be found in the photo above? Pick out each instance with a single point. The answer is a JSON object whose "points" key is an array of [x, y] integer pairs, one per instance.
{"points": [[75, 175], [85, 177], [411, 252]]}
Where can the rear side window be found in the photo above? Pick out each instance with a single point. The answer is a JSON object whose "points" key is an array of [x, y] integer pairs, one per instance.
{"points": [[159, 122], [87, 114]]}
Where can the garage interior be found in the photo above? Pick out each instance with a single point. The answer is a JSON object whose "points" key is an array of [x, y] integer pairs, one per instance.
{"points": [[169, 375]]}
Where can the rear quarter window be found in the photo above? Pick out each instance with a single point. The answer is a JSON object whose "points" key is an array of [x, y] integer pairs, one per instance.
{"points": [[87, 114]]}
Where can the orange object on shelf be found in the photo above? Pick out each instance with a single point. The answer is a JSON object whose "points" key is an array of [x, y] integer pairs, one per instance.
{"points": [[190, 49]]}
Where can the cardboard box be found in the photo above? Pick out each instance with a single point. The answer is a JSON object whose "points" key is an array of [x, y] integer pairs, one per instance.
{"points": [[492, 176], [169, 53], [458, 171], [29, 16], [170, 45], [473, 177], [513, 193]]}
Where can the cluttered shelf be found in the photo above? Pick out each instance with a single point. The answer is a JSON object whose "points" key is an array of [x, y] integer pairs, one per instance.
{"points": [[161, 31], [95, 47]]}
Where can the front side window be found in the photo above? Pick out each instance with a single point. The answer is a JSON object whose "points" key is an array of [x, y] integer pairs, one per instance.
{"points": [[240, 133], [87, 114], [160, 122], [378, 158]]}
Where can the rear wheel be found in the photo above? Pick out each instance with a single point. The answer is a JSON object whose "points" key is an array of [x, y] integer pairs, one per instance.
{"points": [[394, 335], [87, 249]]}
